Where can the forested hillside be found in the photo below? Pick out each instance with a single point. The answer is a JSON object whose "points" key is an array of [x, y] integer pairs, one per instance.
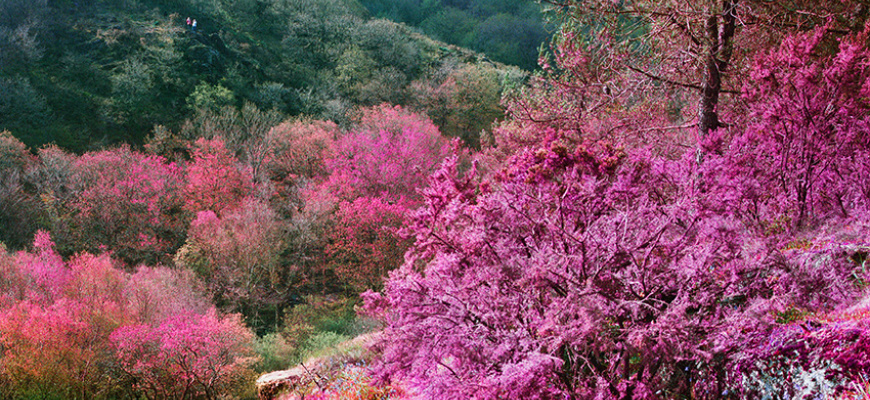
{"points": [[84, 74], [509, 31], [675, 205]]}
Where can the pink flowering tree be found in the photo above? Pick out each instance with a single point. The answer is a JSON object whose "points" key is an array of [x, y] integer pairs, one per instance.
{"points": [[299, 148], [389, 153], [796, 176], [580, 274], [123, 201], [363, 243], [60, 323], [186, 355], [238, 254], [581, 271], [296, 157], [803, 159], [215, 180], [55, 325], [374, 173], [565, 277]]}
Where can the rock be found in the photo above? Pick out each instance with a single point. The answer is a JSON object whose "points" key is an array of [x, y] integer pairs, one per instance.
{"points": [[272, 384]]}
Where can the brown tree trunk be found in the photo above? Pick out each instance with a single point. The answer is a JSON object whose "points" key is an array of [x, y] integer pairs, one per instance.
{"points": [[718, 57]]}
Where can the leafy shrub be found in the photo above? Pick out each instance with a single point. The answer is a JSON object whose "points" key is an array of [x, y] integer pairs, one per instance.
{"points": [[320, 344], [274, 353], [210, 97], [320, 323]]}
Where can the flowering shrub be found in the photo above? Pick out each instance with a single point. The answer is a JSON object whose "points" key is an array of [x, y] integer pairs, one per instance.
{"points": [[574, 275], [567, 276], [582, 271], [803, 158], [298, 149], [296, 156]]}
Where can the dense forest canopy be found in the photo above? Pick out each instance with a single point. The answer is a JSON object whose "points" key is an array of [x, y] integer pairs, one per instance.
{"points": [[83, 74]]}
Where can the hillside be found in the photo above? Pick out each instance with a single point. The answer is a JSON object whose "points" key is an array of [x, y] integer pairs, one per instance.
{"points": [[83, 74], [509, 31]]}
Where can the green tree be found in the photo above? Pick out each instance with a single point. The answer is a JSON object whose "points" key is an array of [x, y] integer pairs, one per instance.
{"points": [[209, 97]]}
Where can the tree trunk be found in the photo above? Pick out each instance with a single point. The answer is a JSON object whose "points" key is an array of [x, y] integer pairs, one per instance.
{"points": [[718, 57]]}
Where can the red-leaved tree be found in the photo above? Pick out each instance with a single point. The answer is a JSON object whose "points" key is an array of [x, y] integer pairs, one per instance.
{"points": [[375, 171], [297, 157], [363, 242], [186, 356]]}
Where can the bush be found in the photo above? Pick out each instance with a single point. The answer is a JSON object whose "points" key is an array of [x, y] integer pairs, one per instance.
{"points": [[275, 353], [320, 344], [320, 323]]}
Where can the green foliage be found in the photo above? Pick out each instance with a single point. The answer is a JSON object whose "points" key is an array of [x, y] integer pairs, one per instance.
{"points": [[320, 324], [450, 24], [321, 314], [507, 31], [321, 343], [132, 90], [210, 97], [22, 108], [274, 352], [129, 66], [466, 101], [791, 314]]}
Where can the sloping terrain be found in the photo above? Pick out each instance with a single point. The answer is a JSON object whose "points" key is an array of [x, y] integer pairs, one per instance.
{"points": [[84, 74]]}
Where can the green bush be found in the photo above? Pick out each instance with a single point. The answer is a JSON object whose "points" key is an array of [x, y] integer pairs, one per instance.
{"points": [[321, 343], [275, 353], [210, 97], [314, 327]]}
